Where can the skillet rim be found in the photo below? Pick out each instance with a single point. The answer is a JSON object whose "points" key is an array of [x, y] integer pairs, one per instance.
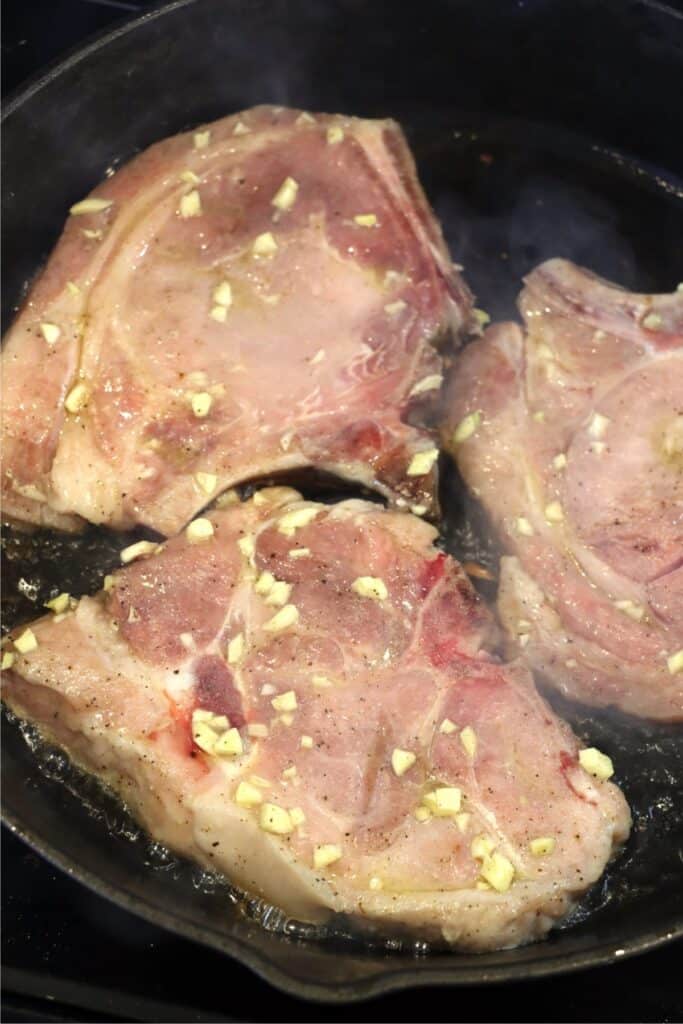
{"points": [[395, 973]]}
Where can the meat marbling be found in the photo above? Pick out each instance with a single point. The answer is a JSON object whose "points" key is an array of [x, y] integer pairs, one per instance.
{"points": [[262, 295], [571, 434], [373, 758]]}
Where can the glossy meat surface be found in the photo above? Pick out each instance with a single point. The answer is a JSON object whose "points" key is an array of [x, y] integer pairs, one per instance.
{"points": [[576, 452], [338, 661], [259, 296]]}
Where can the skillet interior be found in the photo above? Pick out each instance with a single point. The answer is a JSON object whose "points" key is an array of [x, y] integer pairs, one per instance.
{"points": [[545, 192]]}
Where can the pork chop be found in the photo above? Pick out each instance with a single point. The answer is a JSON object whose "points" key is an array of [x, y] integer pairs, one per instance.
{"points": [[262, 295], [571, 434], [299, 695]]}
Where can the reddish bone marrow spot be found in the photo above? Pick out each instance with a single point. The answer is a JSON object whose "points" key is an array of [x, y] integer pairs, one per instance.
{"points": [[215, 690]]}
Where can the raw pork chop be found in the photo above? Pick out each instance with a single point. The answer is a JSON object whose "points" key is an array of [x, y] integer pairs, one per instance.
{"points": [[572, 436], [297, 694], [258, 296]]}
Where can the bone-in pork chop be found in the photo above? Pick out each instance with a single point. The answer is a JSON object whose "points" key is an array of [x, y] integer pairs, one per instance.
{"points": [[299, 695], [571, 434], [262, 295]]}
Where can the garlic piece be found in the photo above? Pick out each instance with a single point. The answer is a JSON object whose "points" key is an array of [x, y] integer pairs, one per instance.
{"points": [[402, 761], [201, 139], [199, 530], [482, 317], [482, 846], [77, 399], [467, 426], [299, 552], [498, 872], [201, 402], [430, 383], [247, 546], [542, 846], [92, 205], [26, 642], [285, 197], [264, 244], [58, 604], [285, 701], [422, 462], [328, 853], [598, 425], [306, 743], [236, 649], [222, 294], [279, 593], [219, 314], [468, 738], [375, 884], [652, 322], [275, 820], [335, 134], [240, 129], [206, 482], [229, 744], [443, 802], [189, 177], [365, 220], [51, 333], [447, 727], [462, 820], [596, 763], [247, 795], [285, 618], [422, 814], [292, 521], [257, 729], [630, 608], [554, 512], [394, 308], [370, 586], [133, 551], [7, 660], [524, 527], [560, 461], [674, 662], [297, 816], [72, 288], [265, 583], [190, 205]]}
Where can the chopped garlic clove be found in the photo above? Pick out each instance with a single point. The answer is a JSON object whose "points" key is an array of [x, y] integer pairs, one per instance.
{"points": [[51, 333], [58, 604], [240, 129], [467, 426], [292, 521], [652, 322], [542, 846], [524, 527], [190, 205], [370, 586], [285, 701], [468, 738], [394, 308], [443, 802], [422, 814], [596, 763], [247, 546], [322, 682], [630, 608], [462, 820], [279, 594], [328, 853], [26, 642], [299, 552], [77, 399], [133, 551], [447, 726], [560, 461], [199, 530], [7, 660], [482, 317], [375, 884], [674, 662], [422, 462], [498, 872], [264, 245], [229, 744], [189, 177], [92, 205], [297, 816], [482, 846], [402, 761], [72, 288], [201, 139], [222, 294], [306, 743], [247, 795], [265, 583], [335, 134], [201, 402], [430, 383], [285, 197], [365, 220], [206, 482], [236, 649], [286, 617], [554, 512], [275, 820], [219, 314], [598, 426]]}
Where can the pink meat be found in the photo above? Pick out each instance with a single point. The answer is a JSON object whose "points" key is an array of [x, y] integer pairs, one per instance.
{"points": [[584, 412], [325, 350], [116, 682]]}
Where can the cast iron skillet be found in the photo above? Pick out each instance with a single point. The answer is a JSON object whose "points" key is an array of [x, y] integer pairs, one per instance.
{"points": [[500, 101]]}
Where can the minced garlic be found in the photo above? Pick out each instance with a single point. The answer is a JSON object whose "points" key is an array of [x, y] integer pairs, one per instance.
{"points": [[292, 521], [467, 426], [264, 584], [447, 726], [596, 763], [299, 552], [201, 402], [26, 642], [652, 322], [430, 383], [206, 482], [229, 744], [189, 177], [328, 853], [365, 220], [222, 294], [443, 802], [236, 649], [285, 618], [306, 743], [560, 461], [542, 846], [675, 662], [51, 333], [285, 701], [554, 512], [275, 819], [402, 761], [138, 550], [58, 604], [190, 205], [482, 846], [370, 586], [7, 660], [468, 738], [285, 197], [279, 593], [335, 134], [219, 314], [201, 139], [422, 462], [524, 527], [598, 425], [199, 530], [297, 816], [264, 244], [92, 205], [630, 608], [77, 399], [498, 872], [247, 795], [394, 308]]}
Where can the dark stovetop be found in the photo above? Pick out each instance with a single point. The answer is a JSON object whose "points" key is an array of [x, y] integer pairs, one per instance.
{"points": [[69, 955]]}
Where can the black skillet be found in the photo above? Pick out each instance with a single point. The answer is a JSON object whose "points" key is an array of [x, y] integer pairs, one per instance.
{"points": [[519, 113]]}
